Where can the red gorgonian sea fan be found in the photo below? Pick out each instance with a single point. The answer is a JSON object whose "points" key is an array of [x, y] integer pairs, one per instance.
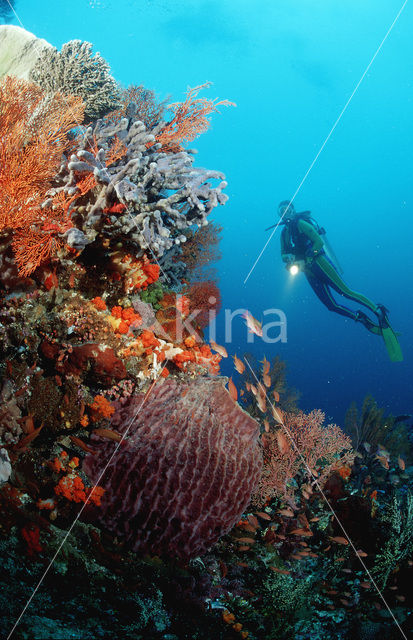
{"points": [[320, 449], [190, 119], [34, 132], [204, 302], [185, 472]]}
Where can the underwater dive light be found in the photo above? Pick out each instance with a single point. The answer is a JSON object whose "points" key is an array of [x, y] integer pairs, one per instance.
{"points": [[294, 269]]}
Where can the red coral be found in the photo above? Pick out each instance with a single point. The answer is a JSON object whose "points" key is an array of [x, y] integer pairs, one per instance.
{"points": [[101, 408], [205, 301], [186, 472], [151, 272], [33, 136], [317, 452], [31, 534], [190, 119], [99, 303]]}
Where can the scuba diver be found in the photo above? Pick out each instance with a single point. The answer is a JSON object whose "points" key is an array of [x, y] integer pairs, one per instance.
{"points": [[304, 247]]}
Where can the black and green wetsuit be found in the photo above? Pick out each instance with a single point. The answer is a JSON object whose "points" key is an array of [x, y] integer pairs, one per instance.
{"points": [[301, 239]]}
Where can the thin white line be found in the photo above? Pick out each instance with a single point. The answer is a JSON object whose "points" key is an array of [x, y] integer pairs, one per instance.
{"points": [[310, 471], [68, 532], [329, 135]]}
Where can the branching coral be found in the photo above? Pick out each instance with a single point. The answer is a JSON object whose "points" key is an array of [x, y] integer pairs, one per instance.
{"points": [[163, 194], [371, 425], [33, 136], [398, 524], [201, 251], [75, 71], [148, 110], [205, 302], [318, 450], [190, 119]]}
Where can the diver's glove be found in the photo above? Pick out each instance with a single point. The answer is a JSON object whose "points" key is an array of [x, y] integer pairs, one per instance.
{"points": [[288, 258]]}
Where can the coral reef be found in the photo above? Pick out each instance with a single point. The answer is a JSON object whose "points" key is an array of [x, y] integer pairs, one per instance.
{"points": [[105, 260], [190, 462], [298, 447], [75, 71]]}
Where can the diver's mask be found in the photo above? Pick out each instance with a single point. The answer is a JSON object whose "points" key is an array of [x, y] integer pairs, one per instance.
{"points": [[286, 210]]}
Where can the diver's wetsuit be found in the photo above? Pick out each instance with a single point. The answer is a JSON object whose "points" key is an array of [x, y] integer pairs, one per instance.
{"points": [[300, 238]]}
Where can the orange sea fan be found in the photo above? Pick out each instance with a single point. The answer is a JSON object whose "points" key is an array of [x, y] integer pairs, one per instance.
{"points": [[33, 136], [190, 119]]}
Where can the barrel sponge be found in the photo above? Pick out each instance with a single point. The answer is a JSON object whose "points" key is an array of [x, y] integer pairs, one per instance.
{"points": [[184, 473]]}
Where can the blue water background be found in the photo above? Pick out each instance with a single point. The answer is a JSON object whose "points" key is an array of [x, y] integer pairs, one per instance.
{"points": [[290, 66]]}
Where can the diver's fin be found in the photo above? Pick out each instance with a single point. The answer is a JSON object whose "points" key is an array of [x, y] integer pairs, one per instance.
{"points": [[389, 336], [392, 344]]}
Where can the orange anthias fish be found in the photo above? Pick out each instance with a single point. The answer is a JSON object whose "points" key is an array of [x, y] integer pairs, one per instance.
{"points": [[253, 325], [219, 349], [232, 390], [401, 462], [265, 367], [282, 442], [266, 380], [238, 364], [277, 414], [261, 402]]}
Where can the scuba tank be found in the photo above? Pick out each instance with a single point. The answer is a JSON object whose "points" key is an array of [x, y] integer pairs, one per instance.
{"points": [[306, 215]]}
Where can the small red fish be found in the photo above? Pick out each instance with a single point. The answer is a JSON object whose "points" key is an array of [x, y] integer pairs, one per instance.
{"points": [[246, 540], [265, 366], [232, 390], [28, 439], [401, 463], [253, 325], [263, 515], [283, 444], [276, 395], [238, 364], [266, 380], [300, 532], [339, 540], [383, 461], [261, 402], [284, 572], [108, 434], [253, 521], [82, 445], [277, 415], [219, 349]]}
